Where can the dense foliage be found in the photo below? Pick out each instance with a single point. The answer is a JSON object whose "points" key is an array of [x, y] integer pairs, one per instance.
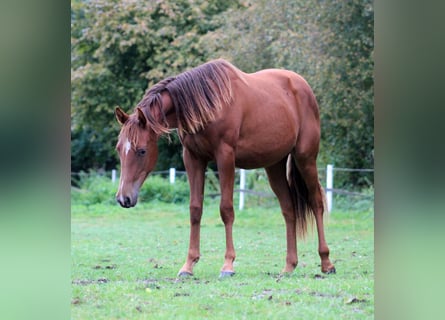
{"points": [[116, 47], [119, 48]]}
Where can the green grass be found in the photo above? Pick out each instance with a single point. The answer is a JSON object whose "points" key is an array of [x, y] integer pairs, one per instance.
{"points": [[124, 265]]}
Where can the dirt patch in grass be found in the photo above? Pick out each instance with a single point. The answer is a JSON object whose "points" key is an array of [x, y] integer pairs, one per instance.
{"points": [[83, 282]]}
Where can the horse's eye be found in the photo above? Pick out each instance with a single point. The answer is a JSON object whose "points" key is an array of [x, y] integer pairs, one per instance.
{"points": [[141, 152]]}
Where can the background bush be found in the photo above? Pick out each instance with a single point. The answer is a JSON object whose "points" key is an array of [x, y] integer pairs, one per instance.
{"points": [[159, 188], [97, 188]]}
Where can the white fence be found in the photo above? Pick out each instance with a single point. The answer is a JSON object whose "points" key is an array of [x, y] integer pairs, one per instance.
{"points": [[243, 192]]}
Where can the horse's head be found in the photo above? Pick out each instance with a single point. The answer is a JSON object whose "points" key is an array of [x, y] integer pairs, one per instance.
{"points": [[138, 152]]}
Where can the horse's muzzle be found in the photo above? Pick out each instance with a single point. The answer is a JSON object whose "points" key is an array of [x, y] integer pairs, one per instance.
{"points": [[125, 202]]}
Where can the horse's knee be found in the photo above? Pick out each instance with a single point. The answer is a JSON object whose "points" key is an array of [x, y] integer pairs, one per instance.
{"points": [[195, 214], [227, 213]]}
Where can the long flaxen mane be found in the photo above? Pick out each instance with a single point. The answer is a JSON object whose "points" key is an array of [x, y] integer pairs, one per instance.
{"points": [[197, 95]]}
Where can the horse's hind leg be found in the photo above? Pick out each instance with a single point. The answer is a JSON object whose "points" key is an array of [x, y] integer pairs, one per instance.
{"points": [[279, 185], [308, 170]]}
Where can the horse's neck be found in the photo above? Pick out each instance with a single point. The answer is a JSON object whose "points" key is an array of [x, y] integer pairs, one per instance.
{"points": [[169, 110]]}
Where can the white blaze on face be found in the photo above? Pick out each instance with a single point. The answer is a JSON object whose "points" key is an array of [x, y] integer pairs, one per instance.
{"points": [[121, 184], [127, 146]]}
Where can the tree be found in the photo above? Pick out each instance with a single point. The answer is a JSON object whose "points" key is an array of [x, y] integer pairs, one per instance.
{"points": [[347, 44], [119, 46]]}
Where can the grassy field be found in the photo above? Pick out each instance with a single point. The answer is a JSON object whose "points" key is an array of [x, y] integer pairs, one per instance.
{"points": [[124, 265]]}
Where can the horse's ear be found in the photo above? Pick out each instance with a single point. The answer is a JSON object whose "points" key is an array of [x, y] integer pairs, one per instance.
{"points": [[121, 116], [141, 117]]}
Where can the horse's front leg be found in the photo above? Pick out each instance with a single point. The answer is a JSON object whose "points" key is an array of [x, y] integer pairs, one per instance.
{"points": [[196, 173], [226, 169]]}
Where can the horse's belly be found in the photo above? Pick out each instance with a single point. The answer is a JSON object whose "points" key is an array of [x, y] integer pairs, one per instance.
{"points": [[266, 137], [259, 155]]}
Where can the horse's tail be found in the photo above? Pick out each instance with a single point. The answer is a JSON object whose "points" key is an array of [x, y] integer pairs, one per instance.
{"points": [[300, 198]]}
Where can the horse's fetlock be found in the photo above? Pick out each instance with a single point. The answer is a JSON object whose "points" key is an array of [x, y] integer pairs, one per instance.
{"points": [[292, 262], [194, 258], [230, 258], [323, 252]]}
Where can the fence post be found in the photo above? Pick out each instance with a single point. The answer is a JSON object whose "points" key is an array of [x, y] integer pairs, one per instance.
{"points": [[172, 175], [242, 186], [113, 175], [329, 185]]}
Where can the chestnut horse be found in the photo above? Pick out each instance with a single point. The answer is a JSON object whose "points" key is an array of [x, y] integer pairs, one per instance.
{"points": [[268, 119]]}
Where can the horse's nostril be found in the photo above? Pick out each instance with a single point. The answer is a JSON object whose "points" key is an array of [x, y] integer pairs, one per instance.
{"points": [[124, 201]]}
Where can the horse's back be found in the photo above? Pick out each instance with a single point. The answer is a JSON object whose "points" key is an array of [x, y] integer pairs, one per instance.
{"points": [[267, 115], [282, 81], [277, 94], [286, 90]]}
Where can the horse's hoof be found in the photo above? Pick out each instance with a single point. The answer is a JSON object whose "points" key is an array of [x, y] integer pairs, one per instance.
{"points": [[184, 274], [331, 271], [226, 274]]}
